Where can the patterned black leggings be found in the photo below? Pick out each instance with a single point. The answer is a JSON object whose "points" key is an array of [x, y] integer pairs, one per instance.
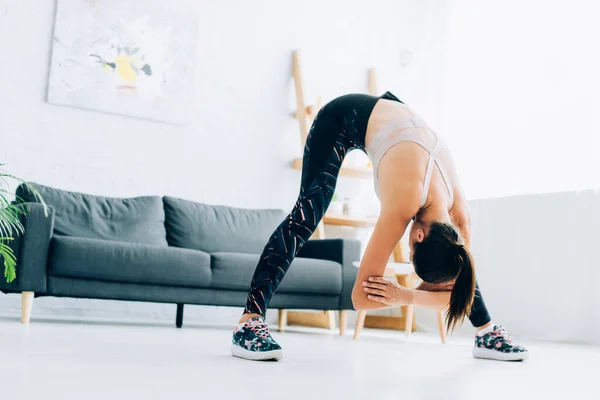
{"points": [[328, 142], [339, 127]]}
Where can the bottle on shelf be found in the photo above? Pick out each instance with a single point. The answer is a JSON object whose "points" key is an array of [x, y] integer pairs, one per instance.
{"points": [[347, 210]]}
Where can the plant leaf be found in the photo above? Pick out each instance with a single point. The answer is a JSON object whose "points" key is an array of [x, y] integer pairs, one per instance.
{"points": [[9, 219], [4, 202], [10, 262], [10, 222]]}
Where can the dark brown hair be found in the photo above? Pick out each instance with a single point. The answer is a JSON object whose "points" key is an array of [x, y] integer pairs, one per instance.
{"points": [[442, 257]]}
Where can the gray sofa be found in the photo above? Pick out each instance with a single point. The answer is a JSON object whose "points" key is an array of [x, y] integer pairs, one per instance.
{"points": [[167, 250]]}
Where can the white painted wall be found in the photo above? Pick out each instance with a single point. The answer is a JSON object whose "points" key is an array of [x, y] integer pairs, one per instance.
{"points": [[520, 99], [241, 140]]}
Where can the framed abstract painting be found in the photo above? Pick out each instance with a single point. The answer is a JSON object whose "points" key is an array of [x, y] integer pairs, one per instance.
{"points": [[133, 58]]}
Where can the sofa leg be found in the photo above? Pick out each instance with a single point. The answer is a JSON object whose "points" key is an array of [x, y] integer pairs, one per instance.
{"points": [[179, 318], [26, 306], [282, 319], [331, 317], [343, 321]]}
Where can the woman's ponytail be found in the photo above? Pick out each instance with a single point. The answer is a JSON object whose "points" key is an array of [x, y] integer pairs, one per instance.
{"points": [[442, 258], [463, 292]]}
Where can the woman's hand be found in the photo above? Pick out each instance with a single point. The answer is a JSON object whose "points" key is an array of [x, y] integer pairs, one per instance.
{"points": [[387, 292]]}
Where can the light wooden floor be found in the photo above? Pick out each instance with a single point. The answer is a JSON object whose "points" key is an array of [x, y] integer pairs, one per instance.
{"points": [[93, 360]]}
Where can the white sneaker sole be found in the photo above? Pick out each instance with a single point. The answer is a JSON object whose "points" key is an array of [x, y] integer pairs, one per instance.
{"points": [[240, 352], [479, 352]]}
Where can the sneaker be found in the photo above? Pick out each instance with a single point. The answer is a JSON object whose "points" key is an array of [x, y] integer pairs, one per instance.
{"points": [[497, 345], [252, 341]]}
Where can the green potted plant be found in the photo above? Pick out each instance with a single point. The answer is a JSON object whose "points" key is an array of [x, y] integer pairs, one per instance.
{"points": [[10, 221]]}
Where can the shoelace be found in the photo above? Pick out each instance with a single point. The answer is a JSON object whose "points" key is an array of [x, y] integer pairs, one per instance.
{"points": [[260, 328], [501, 332]]}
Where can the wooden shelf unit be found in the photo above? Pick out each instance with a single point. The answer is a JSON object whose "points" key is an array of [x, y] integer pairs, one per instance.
{"points": [[305, 114], [342, 220]]}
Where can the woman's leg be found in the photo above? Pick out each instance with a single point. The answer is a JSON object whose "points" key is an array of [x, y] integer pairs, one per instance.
{"points": [[326, 146], [492, 341], [479, 316]]}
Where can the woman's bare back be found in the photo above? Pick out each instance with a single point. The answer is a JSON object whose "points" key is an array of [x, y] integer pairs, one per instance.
{"points": [[406, 162]]}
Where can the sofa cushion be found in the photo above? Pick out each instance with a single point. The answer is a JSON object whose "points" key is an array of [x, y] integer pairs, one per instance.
{"points": [[234, 271], [133, 220], [105, 260], [218, 228]]}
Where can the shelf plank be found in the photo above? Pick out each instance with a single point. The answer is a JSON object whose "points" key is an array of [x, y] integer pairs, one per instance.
{"points": [[389, 322], [356, 172], [318, 319], [343, 220]]}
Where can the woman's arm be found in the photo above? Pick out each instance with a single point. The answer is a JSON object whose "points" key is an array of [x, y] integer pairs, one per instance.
{"points": [[437, 297], [387, 233], [399, 203], [391, 294], [461, 216], [433, 296]]}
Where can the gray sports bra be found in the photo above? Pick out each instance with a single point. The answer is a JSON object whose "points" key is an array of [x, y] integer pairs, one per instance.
{"points": [[403, 130]]}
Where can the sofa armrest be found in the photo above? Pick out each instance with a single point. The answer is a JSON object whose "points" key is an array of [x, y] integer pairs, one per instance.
{"points": [[343, 251], [31, 250]]}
